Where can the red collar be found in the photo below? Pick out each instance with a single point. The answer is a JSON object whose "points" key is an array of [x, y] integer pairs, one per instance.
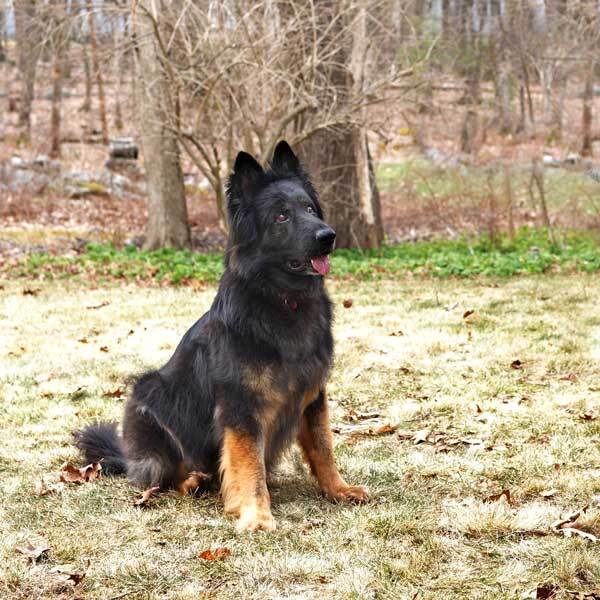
{"points": [[291, 304]]}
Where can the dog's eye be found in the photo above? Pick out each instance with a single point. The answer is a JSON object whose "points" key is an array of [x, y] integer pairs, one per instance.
{"points": [[281, 218], [310, 209]]}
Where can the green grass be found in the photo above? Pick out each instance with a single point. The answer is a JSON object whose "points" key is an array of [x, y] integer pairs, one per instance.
{"points": [[427, 534], [531, 252]]}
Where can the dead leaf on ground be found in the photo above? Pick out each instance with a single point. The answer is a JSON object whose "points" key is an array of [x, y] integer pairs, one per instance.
{"points": [[516, 364], [218, 554], [497, 497], [83, 340], [41, 489], [573, 531], [569, 377], [468, 313], [144, 497], [67, 575], [101, 305], [548, 493], [421, 436], [348, 303], [71, 474], [569, 520], [584, 595], [543, 591], [479, 409], [353, 416], [397, 333], [31, 291], [588, 415], [118, 393], [33, 552], [103, 348], [311, 524]]}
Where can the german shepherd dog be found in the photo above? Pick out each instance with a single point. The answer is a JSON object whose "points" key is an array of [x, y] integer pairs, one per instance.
{"points": [[249, 376]]}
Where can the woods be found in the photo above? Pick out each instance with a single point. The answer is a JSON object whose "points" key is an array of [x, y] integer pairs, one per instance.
{"points": [[198, 80]]}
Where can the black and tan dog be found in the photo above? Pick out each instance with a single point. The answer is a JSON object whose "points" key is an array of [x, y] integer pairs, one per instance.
{"points": [[249, 377]]}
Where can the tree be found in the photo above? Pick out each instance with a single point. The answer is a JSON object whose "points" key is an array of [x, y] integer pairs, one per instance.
{"points": [[167, 223], [339, 155], [29, 36], [97, 71], [58, 42]]}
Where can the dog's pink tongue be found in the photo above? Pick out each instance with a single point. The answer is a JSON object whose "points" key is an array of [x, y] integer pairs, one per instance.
{"points": [[320, 264]]}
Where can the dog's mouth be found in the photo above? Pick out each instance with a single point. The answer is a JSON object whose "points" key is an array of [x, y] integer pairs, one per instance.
{"points": [[318, 265]]}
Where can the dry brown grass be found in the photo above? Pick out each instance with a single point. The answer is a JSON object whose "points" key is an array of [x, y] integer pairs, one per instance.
{"points": [[428, 533]]}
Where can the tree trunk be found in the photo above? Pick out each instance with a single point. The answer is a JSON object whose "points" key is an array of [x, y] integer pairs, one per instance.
{"points": [[2, 34], [339, 158], [167, 223], [97, 71], [588, 99], [58, 40], [29, 44], [87, 102]]}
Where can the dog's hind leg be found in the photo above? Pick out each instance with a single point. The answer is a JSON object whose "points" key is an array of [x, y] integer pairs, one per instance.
{"points": [[315, 439], [154, 455]]}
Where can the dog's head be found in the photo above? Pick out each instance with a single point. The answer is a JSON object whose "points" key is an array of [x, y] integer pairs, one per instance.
{"points": [[276, 223]]}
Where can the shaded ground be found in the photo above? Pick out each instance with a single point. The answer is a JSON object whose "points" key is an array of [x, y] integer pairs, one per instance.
{"points": [[504, 398]]}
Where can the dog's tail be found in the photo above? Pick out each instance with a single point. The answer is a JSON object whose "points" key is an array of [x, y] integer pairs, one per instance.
{"points": [[101, 443]]}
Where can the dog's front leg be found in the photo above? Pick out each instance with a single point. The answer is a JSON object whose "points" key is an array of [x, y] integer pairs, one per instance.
{"points": [[316, 442], [243, 481]]}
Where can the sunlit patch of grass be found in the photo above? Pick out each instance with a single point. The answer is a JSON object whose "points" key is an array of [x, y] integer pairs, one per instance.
{"points": [[404, 350]]}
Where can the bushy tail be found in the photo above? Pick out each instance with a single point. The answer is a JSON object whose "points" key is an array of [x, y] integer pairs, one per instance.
{"points": [[100, 442]]}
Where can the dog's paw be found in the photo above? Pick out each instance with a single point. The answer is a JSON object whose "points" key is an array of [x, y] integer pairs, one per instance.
{"points": [[356, 494], [194, 481], [252, 519]]}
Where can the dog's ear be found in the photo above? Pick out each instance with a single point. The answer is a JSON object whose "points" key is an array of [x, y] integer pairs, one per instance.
{"points": [[246, 177], [284, 160]]}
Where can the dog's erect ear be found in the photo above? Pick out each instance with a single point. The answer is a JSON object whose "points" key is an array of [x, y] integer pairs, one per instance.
{"points": [[284, 159], [247, 175]]}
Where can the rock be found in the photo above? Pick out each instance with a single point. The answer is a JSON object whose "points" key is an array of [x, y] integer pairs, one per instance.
{"points": [[572, 158], [123, 148]]}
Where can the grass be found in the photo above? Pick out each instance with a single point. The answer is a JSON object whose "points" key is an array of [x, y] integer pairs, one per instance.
{"points": [[405, 351], [530, 252]]}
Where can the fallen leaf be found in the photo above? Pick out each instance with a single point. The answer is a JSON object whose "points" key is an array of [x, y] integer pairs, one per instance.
{"points": [[573, 531], [41, 489], [497, 497], [479, 409], [311, 524], [218, 554], [348, 303], [145, 496], [118, 393], [71, 474], [588, 415], [548, 493], [516, 364], [467, 314], [397, 333], [569, 377], [33, 552], [101, 305], [83, 340], [385, 429], [584, 595], [67, 575], [31, 291], [353, 416], [543, 591], [421, 436], [103, 348], [569, 520]]}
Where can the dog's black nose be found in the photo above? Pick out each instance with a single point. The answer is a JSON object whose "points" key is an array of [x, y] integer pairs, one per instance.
{"points": [[326, 237]]}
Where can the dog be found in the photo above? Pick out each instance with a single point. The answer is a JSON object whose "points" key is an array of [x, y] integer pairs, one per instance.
{"points": [[249, 376]]}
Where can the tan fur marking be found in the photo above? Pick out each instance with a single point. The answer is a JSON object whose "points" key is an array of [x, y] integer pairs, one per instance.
{"points": [[317, 445], [262, 384], [243, 481], [309, 397]]}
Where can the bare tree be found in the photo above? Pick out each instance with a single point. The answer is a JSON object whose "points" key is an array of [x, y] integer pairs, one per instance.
{"points": [[29, 37], [58, 41], [167, 223], [97, 70]]}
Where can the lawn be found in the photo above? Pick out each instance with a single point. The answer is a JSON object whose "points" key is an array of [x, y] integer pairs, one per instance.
{"points": [[505, 398]]}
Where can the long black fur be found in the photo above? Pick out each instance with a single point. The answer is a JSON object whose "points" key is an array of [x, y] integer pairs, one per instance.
{"points": [[267, 314]]}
